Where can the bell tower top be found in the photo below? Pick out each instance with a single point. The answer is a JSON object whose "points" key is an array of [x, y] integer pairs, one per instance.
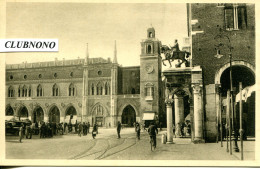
{"points": [[150, 33]]}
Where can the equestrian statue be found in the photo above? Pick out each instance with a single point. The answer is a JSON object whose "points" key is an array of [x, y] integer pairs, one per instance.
{"points": [[173, 53]]}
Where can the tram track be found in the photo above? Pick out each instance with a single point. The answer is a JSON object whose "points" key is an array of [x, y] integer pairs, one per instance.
{"points": [[103, 152], [78, 156]]}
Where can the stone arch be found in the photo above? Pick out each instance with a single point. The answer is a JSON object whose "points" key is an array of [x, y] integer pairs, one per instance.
{"points": [[9, 111], [72, 90], [25, 109], [38, 113], [234, 63], [120, 112], [98, 116], [71, 109], [54, 113], [128, 116]]}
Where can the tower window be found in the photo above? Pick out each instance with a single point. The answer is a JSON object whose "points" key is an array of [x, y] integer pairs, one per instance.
{"points": [[71, 90], [149, 91], [150, 34], [149, 49]]}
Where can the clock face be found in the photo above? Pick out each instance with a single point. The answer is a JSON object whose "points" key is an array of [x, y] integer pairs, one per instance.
{"points": [[149, 68]]}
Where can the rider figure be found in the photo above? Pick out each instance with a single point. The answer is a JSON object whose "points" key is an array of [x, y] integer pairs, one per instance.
{"points": [[152, 130], [176, 46]]}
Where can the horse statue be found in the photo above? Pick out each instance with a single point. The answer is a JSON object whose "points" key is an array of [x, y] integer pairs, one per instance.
{"points": [[171, 55]]}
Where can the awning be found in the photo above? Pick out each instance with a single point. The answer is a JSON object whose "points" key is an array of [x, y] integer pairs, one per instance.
{"points": [[148, 116], [246, 93]]}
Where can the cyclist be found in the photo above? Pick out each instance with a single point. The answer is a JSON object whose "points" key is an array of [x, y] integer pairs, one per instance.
{"points": [[152, 130]]}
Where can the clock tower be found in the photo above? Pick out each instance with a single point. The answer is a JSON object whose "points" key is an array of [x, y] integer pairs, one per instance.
{"points": [[150, 77]]}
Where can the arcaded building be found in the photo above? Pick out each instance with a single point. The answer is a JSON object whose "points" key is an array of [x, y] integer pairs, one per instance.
{"points": [[90, 89]]}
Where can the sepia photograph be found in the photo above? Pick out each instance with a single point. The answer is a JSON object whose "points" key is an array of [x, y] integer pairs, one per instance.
{"points": [[129, 83]]}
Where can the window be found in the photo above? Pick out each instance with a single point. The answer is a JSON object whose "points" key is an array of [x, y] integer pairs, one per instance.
{"points": [[149, 91], [24, 91], [10, 91], [98, 110], [55, 90], [107, 89], [92, 89], [235, 17], [149, 49], [71, 90], [133, 91], [29, 92], [99, 88], [39, 90], [19, 91]]}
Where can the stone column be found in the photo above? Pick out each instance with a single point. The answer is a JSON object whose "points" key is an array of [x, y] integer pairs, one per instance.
{"points": [[169, 120], [198, 113], [179, 114]]}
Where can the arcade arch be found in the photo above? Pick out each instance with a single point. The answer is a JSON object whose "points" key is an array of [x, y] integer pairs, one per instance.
{"points": [[9, 111], [54, 115], [38, 115], [128, 116], [23, 113]]}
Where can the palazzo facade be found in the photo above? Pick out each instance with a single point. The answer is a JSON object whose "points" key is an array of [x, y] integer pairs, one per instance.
{"points": [[88, 90]]}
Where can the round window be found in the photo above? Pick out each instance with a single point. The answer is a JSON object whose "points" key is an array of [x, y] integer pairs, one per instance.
{"points": [[25, 76], [11, 77], [40, 76], [71, 74], [99, 72], [55, 75]]}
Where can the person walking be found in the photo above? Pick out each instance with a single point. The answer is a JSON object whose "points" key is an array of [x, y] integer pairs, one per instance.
{"points": [[80, 128], [118, 129], [137, 129], [21, 133], [94, 131]]}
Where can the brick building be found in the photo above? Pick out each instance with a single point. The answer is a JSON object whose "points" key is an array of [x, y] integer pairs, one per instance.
{"points": [[218, 31], [90, 89]]}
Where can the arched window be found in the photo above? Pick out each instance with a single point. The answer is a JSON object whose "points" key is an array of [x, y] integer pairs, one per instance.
{"points": [[24, 91], [149, 49], [149, 91], [20, 91], [39, 90], [29, 92], [10, 91], [55, 90], [99, 110], [92, 89], [71, 90], [99, 88], [107, 89]]}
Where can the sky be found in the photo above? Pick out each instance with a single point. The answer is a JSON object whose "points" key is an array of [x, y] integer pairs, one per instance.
{"points": [[98, 24]]}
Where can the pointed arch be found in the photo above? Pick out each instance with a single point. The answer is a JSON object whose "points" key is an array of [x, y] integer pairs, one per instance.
{"points": [[55, 90], [92, 89], [10, 91], [9, 111], [54, 114], [39, 91], [72, 89], [99, 88], [107, 88]]}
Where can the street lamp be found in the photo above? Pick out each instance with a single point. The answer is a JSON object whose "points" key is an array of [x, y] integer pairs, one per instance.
{"points": [[221, 37]]}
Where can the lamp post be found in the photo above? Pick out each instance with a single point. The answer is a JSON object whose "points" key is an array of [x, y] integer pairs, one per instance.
{"points": [[233, 125]]}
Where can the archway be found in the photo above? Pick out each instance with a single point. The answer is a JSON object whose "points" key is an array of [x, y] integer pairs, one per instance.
{"points": [[23, 113], [99, 115], [240, 73], [54, 115], [71, 114], [9, 111], [129, 116], [38, 115]]}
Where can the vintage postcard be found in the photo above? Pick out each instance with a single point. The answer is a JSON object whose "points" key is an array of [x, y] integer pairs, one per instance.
{"points": [[156, 83]]}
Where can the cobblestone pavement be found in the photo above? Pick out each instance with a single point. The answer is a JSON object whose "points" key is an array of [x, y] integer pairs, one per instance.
{"points": [[106, 146]]}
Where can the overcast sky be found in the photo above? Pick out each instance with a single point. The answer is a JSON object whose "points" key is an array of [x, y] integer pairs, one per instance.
{"points": [[99, 25]]}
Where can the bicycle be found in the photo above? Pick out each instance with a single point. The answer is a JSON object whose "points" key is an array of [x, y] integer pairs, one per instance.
{"points": [[152, 142]]}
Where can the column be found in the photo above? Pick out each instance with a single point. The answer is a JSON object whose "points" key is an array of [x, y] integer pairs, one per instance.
{"points": [[218, 109], [198, 113], [169, 120], [179, 114]]}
